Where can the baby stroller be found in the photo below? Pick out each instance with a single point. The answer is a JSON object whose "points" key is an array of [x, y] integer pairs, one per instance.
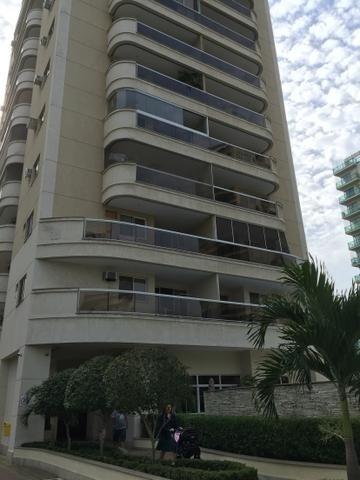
{"points": [[187, 443]]}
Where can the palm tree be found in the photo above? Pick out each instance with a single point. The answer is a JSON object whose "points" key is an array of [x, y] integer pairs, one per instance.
{"points": [[319, 331]]}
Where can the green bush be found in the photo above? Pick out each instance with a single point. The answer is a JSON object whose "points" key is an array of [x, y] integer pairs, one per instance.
{"points": [[183, 469], [301, 439]]}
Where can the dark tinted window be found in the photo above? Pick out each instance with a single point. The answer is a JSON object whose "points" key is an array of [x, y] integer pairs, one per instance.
{"points": [[272, 239], [241, 233], [284, 244], [224, 229], [257, 238]]}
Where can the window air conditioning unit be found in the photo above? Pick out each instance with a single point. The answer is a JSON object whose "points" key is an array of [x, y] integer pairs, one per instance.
{"points": [[28, 172], [33, 124], [38, 80], [43, 41], [48, 4], [110, 276]]}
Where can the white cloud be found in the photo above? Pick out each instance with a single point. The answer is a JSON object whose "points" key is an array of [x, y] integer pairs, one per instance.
{"points": [[320, 70]]}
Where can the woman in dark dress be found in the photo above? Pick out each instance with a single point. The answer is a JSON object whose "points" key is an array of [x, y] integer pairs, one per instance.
{"points": [[165, 429]]}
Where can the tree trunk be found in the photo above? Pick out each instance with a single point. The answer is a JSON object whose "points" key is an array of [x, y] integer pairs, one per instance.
{"points": [[352, 463], [68, 436], [151, 434], [102, 434]]}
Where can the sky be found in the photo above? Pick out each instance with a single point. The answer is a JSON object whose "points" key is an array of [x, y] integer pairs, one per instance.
{"points": [[318, 46]]}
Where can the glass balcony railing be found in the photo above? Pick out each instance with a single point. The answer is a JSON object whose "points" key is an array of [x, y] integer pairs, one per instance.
{"points": [[128, 301], [192, 137], [238, 7], [353, 227], [353, 160], [355, 244], [156, 237], [204, 190], [351, 210], [197, 54], [355, 262], [347, 180], [352, 193], [208, 22], [194, 93]]}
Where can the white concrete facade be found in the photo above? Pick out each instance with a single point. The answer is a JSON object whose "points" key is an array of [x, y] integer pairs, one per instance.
{"points": [[156, 200]]}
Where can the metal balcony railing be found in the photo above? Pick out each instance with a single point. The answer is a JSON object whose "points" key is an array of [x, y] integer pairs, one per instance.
{"points": [[192, 137], [352, 193], [197, 54], [209, 23], [132, 302], [200, 189], [199, 95], [353, 160], [156, 237]]}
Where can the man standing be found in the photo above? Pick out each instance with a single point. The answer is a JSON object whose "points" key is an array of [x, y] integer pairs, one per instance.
{"points": [[119, 422]]}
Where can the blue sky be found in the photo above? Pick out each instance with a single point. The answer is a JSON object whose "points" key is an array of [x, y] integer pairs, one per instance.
{"points": [[318, 45]]}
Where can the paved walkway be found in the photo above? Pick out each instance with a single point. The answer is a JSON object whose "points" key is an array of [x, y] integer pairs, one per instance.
{"points": [[15, 472]]}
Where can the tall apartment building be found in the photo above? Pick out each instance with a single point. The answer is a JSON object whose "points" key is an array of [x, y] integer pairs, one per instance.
{"points": [[148, 194], [349, 184]]}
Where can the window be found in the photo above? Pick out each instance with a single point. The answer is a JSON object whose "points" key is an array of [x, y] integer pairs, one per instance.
{"points": [[28, 63], [18, 133], [28, 226], [284, 244], [272, 239], [46, 73], [20, 291], [33, 32], [257, 237], [41, 118], [224, 229], [51, 30], [35, 169], [241, 233], [132, 284]]}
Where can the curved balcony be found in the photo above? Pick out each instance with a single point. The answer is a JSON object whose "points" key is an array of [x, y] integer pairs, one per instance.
{"points": [[30, 46], [355, 262], [70, 316], [349, 196], [119, 124], [21, 112], [187, 22], [137, 187], [355, 245], [4, 278], [353, 228], [349, 163], [131, 31], [351, 211], [16, 150], [102, 242], [34, 16], [25, 79], [130, 74], [347, 181], [209, 23], [9, 194], [202, 121], [7, 233]]}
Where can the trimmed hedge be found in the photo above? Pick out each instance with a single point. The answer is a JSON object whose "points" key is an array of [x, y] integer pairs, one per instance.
{"points": [[301, 439], [182, 470]]}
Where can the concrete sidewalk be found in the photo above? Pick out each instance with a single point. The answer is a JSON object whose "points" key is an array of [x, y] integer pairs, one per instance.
{"points": [[16, 472], [281, 470]]}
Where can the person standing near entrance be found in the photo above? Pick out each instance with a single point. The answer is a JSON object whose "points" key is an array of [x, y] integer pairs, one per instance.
{"points": [[119, 421]]}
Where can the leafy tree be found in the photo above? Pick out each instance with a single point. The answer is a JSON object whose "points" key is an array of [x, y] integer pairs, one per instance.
{"points": [[143, 381], [48, 398], [319, 331], [85, 391]]}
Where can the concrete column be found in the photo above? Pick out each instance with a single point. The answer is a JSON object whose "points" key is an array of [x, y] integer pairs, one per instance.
{"points": [[33, 367]]}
